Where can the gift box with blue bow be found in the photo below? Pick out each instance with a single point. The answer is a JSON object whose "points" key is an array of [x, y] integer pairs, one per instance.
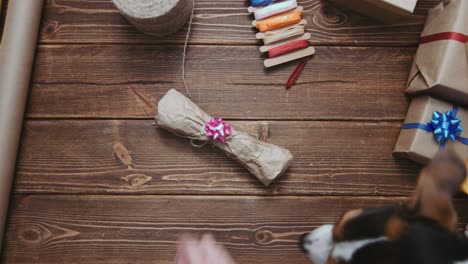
{"points": [[430, 126]]}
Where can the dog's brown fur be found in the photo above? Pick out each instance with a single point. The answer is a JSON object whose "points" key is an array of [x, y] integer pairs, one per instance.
{"points": [[431, 201]]}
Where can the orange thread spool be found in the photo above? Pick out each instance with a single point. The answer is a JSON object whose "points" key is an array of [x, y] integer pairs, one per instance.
{"points": [[279, 21], [288, 47]]}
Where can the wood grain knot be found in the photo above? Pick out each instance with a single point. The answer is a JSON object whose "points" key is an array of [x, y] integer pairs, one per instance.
{"points": [[32, 235], [50, 29], [123, 154], [136, 181], [330, 15], [263, 237]]}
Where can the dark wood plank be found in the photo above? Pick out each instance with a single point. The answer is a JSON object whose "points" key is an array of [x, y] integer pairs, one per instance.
{"points": [[339, 83], [144, 229], [222, 22], [331, 158]]}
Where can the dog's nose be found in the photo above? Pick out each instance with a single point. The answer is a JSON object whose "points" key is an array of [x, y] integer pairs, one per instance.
{"points": [[303, 241]]}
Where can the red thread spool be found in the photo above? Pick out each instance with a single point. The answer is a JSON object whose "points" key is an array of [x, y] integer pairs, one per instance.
{"points": [[288, 47]]}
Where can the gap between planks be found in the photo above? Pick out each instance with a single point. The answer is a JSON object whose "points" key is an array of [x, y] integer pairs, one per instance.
{"points": [[203, 44], [342, 120]]}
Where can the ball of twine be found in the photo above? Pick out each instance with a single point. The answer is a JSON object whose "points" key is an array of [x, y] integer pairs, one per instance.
{"points": [[156, 17]]}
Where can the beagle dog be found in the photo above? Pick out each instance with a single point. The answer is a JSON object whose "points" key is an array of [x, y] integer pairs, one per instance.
{"points": [[421, 230]]}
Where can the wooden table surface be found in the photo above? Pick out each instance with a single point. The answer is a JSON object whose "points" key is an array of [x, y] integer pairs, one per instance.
{"points": [[96, 182]]}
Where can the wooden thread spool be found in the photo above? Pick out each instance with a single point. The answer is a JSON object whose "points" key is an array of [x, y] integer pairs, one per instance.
{"points": [[261, 35], [289, 57], [266, 48], [288, 47], [156, 17], [273, 36], [275, 9], [294, 32], [256, 3], [280, 20]]}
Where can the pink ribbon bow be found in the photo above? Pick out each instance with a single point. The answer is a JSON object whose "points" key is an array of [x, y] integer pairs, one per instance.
{"points": [[217, 129]]}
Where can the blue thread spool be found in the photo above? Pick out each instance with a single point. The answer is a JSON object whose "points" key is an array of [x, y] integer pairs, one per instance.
{"points": [[256, 3]]}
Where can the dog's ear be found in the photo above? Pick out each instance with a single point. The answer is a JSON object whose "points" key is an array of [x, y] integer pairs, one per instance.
{"points": [[437, 184]]}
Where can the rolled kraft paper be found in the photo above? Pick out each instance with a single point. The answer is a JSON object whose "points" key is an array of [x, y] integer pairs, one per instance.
{"points": [[156, 17], [179, 115], [16, 59]]}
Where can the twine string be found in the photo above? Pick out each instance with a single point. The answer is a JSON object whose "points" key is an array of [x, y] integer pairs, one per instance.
{"points": [[198, 143], [184, 55]]}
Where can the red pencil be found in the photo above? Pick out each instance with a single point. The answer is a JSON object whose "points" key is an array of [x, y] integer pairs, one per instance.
{"points": [[296, 72]]}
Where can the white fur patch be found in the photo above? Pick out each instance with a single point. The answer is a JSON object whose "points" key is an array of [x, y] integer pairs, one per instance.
{"points": [[345, 250], [319, 244]]}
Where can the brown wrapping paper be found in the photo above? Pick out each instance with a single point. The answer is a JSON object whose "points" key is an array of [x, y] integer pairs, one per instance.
{"points": [[421, 146], [388, 11], [465, 184], [179, 115], [440, 68], [16, 59]]}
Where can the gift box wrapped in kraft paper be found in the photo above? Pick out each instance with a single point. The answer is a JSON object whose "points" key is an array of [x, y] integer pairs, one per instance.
{"points": [[465, 184], [179, 115], [432, 125], [387, 11], [440, 68]]}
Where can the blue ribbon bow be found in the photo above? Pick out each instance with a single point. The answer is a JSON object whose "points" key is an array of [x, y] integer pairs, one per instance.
{"points": [[443, 126]]}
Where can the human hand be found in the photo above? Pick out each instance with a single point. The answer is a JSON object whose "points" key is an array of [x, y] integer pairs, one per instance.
{"points": [[205, 251]]}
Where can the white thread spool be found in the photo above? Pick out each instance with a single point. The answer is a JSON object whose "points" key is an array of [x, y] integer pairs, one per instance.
{"points": [[275, 9], [156, 17]]}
